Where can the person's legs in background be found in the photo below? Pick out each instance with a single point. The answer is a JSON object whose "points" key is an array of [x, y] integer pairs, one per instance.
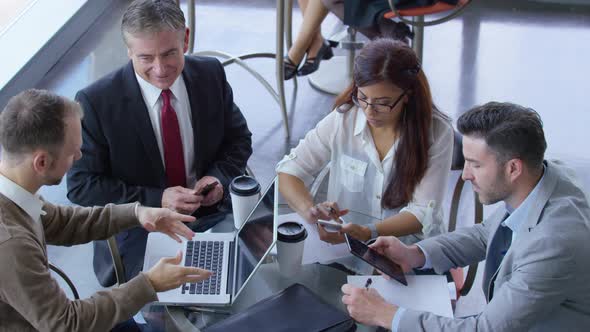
{"points": [[310, 43], [381, 27], [337, 7], [309, 39], [127, 326]]}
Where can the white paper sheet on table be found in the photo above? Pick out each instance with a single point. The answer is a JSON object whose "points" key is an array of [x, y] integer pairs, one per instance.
{"points": [[423, 293], [316, 250]]}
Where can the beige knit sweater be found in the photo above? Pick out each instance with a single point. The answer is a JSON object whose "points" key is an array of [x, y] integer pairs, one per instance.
{"points": [[30, 299]]}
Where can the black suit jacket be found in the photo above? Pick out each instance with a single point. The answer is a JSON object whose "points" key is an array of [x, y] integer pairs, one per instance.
{"points": [[120, 157]]}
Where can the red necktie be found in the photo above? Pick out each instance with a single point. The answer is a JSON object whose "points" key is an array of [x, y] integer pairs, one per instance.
{"points": [[173, 155]]}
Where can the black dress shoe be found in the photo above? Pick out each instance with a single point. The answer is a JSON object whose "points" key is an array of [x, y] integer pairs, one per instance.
{"points": [[289, 67], [328, 53], [395, 30], [312, 64]]}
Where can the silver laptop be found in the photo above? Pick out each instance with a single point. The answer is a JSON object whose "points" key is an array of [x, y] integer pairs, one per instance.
{"points": [[233, 257]]}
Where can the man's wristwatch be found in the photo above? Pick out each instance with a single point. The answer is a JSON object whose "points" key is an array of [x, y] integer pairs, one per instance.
{"points": [[373, 229]]}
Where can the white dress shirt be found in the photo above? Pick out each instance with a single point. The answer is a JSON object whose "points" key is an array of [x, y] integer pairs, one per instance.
{"points": [[358, 179], [180, 103], [519, 215], [30, 203]]}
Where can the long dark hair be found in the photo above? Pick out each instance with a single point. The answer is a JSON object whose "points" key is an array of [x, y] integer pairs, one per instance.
{"points": [[388, 60]]}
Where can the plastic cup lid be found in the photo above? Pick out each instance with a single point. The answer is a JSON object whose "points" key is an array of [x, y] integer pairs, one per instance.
{"points": [[291, 231], [244, 186]]}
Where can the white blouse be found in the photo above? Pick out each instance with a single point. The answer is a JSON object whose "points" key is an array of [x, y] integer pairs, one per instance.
{"points": [[358, 179]]}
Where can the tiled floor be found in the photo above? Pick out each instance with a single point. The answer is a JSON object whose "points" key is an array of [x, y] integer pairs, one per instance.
{"points": [[525, 52]]}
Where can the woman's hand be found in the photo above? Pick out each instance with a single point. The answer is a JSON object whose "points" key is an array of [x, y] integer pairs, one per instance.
{"points": [[330, 237], [324, 211], [358, 232]]}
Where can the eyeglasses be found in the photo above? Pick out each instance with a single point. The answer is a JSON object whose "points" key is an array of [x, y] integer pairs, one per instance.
{"points": [[379, 108]]}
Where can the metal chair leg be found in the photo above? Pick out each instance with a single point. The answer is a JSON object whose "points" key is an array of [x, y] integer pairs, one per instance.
{"points": [[117, 261], [191, 25], [477, 218], [65, 277], [455, 204], [418, 41], [351, 53], [289, 36], [478, 215], [280, 70], [289, 23]]}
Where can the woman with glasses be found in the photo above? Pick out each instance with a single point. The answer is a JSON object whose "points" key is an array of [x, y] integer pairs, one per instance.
{"points": [[389, 149]]}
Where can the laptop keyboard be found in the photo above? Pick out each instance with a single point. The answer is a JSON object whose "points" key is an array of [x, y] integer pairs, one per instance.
{"points": [[206, 255]]}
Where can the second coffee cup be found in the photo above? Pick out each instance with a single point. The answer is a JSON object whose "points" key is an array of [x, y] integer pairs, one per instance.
{"points": [[290, 244], [244, 191]]}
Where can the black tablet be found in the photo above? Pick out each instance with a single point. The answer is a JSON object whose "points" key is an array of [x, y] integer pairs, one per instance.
{"points": [[375, 259]]}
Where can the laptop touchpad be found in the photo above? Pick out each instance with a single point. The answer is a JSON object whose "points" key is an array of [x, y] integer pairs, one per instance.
{"points": [[159, 246]]}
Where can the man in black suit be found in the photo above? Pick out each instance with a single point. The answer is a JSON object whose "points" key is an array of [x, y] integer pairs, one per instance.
{"points": [[157, 131]]}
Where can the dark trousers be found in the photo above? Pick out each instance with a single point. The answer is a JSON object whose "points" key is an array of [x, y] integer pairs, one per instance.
{"points": [[127, 326]]}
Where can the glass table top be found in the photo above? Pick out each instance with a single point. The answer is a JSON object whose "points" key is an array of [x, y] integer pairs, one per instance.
{"points": [[323, 280]]}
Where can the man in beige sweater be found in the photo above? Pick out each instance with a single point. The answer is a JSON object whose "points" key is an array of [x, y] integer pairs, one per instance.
{"points": [[40, 135]]}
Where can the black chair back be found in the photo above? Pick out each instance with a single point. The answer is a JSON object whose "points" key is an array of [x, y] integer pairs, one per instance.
{"points": [[458, 160]]}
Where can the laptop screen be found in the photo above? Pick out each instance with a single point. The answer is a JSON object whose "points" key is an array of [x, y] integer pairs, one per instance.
{"points": [[255, 238]]}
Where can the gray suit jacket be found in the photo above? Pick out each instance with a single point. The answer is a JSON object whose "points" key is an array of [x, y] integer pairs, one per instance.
{"points": [[543, 283]]}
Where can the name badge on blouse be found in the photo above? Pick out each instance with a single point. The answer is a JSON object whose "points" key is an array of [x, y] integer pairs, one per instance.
{"points": [[352, 165]]}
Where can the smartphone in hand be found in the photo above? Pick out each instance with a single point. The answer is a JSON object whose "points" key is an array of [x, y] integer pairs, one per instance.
{"points": [[330, 226], [207, 188]]}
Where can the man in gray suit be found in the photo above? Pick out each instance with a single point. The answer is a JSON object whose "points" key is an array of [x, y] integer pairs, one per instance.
{"points": [[536, 250]]}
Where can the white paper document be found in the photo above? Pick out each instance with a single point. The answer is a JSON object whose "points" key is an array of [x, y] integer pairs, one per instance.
{"points": [[316, 250], [428, 293]]}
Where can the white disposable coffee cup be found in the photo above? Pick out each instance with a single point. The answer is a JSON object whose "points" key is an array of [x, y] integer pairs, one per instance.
{"points": [[290, 243], [244, 191]]}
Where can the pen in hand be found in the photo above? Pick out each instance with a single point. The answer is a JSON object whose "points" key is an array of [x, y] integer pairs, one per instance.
{"points": [[368, 283], [333, 213]]}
